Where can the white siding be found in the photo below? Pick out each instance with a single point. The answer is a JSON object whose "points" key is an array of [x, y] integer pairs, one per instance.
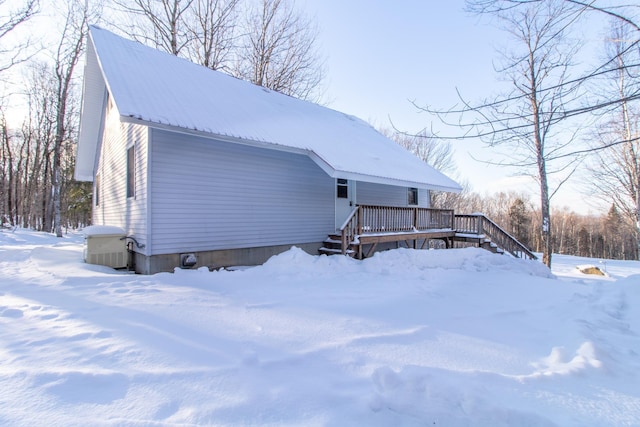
{"points": [[114, 207], [388, 195], [208, 195]]}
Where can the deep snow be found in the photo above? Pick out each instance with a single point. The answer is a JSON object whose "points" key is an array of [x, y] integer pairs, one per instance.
{"points": [[405, 338]]}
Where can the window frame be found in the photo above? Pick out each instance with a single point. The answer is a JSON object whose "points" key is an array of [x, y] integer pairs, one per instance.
{"points": [[342, 188], [412, 196]]}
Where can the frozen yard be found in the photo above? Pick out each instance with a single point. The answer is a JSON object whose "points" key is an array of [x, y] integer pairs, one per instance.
{"points": [[405, 338]]}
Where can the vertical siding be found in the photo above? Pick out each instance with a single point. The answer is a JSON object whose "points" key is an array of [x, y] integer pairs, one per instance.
{"points": [[388, 195], [115, 208], [208, 195]]}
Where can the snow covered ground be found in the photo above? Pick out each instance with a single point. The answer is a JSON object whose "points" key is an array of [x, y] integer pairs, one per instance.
{"points": [[405, 338]]}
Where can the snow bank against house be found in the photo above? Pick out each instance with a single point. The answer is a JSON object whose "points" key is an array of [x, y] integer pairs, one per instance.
{"points": [[412, 338]]}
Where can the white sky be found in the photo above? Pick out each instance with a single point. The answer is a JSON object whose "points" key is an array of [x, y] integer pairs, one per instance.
{"points": [[380, 55]]}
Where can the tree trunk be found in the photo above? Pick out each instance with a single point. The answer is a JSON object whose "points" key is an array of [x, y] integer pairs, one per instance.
{"points": [[57, 226], [538, 143], [10, 184], [546, 220], [46, 219]]}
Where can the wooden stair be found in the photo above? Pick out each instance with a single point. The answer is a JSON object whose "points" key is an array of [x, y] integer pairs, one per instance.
{"points": [[478, 241], [333, 246], [479, 230]]}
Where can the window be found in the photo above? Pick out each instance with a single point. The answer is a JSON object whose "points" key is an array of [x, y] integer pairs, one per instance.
{"points": [[131, 174], [342, 189], [413, 196], [97, 190]]}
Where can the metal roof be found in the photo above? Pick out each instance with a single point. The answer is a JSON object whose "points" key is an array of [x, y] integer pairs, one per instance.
{"points": [[158, 89]]}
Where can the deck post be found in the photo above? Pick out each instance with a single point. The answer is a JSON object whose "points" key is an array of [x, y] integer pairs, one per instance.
{"points": [[359, 214]]}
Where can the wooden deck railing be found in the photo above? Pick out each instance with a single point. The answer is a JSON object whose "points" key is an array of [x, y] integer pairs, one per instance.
{"points": [[480, 225], [366, 219]]}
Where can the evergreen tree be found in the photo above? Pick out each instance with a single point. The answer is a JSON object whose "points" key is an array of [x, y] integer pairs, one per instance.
{"points": [[519, 221]]}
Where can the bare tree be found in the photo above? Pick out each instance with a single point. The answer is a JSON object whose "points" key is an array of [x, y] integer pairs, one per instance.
{"points": [[526, 118], [616, 169], [626, 14], [10, 18], [211, 29], [278, 50], [38, 132], [160, 23], [12, 52], [433, 151]]}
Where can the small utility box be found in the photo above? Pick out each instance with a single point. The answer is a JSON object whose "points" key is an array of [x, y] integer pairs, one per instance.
{"points": [[105, 245]]}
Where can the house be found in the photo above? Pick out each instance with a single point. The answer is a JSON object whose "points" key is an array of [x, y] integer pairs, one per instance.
{"points": [[202, 169]]}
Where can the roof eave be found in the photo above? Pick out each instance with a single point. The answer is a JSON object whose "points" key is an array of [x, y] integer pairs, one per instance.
{"points": [[321, 162]]}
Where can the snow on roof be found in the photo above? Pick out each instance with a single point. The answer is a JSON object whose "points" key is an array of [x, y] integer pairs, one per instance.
{"points": [[160, 89]]}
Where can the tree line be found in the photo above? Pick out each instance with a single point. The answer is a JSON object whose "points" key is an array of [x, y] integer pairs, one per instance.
{"points": [[558, 119], [608, 236]]}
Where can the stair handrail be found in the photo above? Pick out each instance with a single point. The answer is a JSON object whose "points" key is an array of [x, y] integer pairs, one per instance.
{"points": [[509, 243], [350, 229], [479, 225]]}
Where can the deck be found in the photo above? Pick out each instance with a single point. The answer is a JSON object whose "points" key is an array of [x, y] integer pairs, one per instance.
{"points": [[369, 226]]}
